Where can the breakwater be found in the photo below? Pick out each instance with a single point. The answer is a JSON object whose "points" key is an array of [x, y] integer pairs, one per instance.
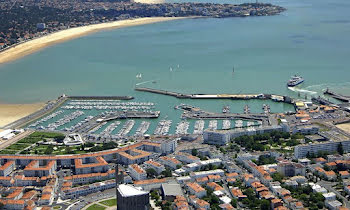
{"points": [[278, 98]]}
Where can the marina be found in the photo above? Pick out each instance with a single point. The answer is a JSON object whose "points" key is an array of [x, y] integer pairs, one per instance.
{"points": [[182, 128], [66, 119], [163, 127], [213, 124], [143, 128], [199, 127], [226, 124], [126, 128], [110, 128]]}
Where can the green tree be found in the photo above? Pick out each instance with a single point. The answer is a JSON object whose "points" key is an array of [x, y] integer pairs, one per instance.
{"points": [[340, 149], [167, 172], [265, 204], [194, 152], [234, 202], [151, 172]]}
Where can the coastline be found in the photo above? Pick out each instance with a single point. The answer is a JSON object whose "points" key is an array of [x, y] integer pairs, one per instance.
{"points": [[39, 43], [12, 112]]}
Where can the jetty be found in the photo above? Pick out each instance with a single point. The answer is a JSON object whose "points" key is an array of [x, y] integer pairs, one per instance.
{"points": [[129, 115], [337, 96], [274, 97], [100, 97]]}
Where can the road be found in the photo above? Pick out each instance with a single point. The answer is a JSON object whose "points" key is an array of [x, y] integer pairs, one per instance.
{"points": [[329, 187], [15, 139]]}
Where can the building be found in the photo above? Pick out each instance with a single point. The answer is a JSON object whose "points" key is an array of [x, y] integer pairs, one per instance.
{"points": [[187, 158], [333, 205], [132, 198], [171, 191], [168, 146], [217, 137], [287, 168], [90, 165], [170, 162], [34, 168], [305, 129], [195, 189], [136, 172], [159, 168], [301, 151], [7, 168]]}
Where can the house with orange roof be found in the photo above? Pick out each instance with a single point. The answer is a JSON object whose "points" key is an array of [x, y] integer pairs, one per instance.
{"points": [[275, 203], [47, 196], [90, 165], [29, 195], [159, 168], [150, 184], [133, 156], [35, 169], [21, 180], [180, 203], [195, 189], [297, 205], [214, 186], [6, 181], [320, 160], [170, 161], [231, 180], [226, 206], [200, 204], [248, 179], [344, 174], [237, 193], [89, 178], [7, 168], [331, 165], [75, 192], [187, 158], [15, 193], [202, 180], [13, 204], [136, 172], [214, 178], [232, 175]]}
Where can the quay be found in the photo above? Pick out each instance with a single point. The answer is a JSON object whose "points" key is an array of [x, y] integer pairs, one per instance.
{"points": [[273, 97], [100, 97], [337, 96], [130, 115], [322, 101]]}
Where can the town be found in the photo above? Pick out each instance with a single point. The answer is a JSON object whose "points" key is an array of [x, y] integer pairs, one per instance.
{"points": [[66, 157], [18, 23]]}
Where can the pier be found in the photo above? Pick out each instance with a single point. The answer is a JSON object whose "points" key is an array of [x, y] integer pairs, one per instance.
{"points": [[100, 97], [337, 96], [273, 97], [130, 115]]}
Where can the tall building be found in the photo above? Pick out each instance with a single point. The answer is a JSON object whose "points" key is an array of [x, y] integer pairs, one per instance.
{"points": [[301, 151], [132, 198]]}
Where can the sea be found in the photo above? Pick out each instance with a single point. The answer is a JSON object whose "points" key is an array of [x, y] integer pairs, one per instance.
{"points": [[311, 38]]}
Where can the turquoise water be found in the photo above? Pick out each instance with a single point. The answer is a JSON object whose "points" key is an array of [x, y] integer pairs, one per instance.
{"points": [[311, 38]]}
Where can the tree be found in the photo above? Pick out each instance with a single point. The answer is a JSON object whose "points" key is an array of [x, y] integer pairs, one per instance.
{"points": [[194, 152], [234, 202], [277, 177], [340, 149], [265, 204], [167, 172], [151, 172]]}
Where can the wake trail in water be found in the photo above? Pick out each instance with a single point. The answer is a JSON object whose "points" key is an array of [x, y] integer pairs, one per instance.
{"points": [[141, 83], [294, 89]]}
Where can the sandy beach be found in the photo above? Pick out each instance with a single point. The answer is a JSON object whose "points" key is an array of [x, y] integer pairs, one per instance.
{"points": [[345, 127], [12, 112], [34, 45]]}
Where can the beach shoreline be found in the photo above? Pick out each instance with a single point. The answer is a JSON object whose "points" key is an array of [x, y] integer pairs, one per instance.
{"points": [[11, 112], [34, 45]]}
